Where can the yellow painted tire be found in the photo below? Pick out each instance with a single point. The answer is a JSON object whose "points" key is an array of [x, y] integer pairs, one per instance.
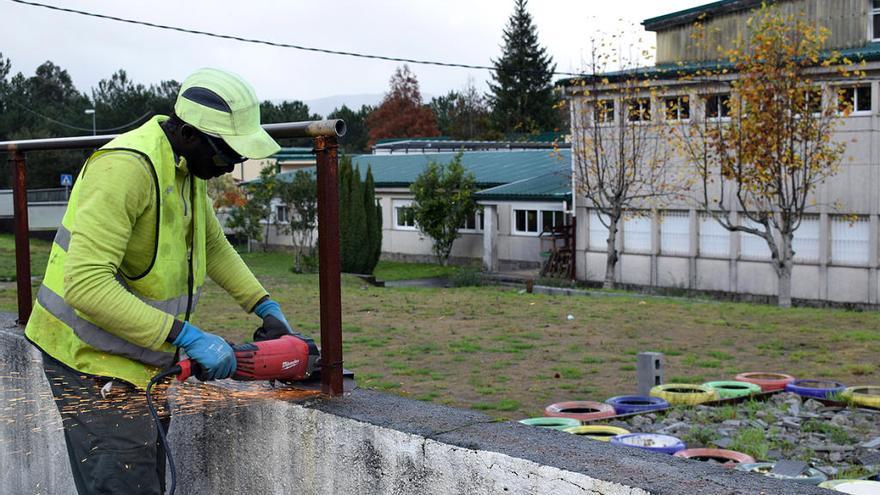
{"points": [[684, 394], [866, 396], [597, 432]]}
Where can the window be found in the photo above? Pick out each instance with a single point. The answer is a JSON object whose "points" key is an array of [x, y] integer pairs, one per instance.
{"points": [[598, 232], [404, 216], [639, 110], [718, 106], [603, 111], [875, 20], [812, 102], [526, 221], [552, 221], [854, 98], [849, 240], [281, 214], [752, 246], [714, 239], [473, 222], [637, 234], [806, 240], [675, 228], [678, 108]]}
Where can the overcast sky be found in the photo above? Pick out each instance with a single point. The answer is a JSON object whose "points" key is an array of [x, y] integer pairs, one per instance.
{"points": [[462, 31]]}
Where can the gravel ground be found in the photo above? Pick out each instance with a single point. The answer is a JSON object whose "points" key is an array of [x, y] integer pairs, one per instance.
{"points": [[841, 442]]}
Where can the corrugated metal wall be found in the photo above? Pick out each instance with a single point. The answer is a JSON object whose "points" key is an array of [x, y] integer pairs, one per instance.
{"points": [[847, 20]]}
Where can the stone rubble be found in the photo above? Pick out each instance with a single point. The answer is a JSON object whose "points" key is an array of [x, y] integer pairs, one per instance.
{"points": [[837, 441]]}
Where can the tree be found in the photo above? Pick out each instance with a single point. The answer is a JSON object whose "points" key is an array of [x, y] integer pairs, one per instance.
{"points": [[355, 139], [522, 95], [360, 220], [621, 164], [300, 196], [463, 115], [373, 211], [764, 163], [444, 199], [402, 113], [224, 193], [254, 218]]}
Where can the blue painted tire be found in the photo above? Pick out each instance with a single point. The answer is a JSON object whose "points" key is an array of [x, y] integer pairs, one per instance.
{"points": [[655, 442], [815, 389], [628, 404]]}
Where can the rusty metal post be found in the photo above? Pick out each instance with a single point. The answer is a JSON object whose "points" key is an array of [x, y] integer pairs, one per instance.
{"points": [[329, 265], [22, 241]]}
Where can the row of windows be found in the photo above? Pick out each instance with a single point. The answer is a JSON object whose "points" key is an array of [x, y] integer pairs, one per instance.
{"points": [[678, 108], [849, 238], [405, 218], [525, 221]]}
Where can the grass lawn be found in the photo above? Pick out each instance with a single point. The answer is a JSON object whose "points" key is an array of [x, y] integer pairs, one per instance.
{"points": [[39, 256], [511, 354]]}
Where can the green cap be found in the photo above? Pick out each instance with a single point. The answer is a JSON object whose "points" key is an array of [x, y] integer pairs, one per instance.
{"points": [[222, 104]]}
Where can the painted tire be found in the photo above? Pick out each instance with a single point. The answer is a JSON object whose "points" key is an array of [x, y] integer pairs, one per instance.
{"points": [[597, 432], [866, 396], [811, 477], [628, 404], [551, 423], [853, 487], [581, 410], [768, 382], [679, 394], [816, 389], [733, 389], [728, 458], [655, 442]]}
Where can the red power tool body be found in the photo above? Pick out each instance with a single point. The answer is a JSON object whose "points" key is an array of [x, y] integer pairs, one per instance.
{"points": [[287, 358]]}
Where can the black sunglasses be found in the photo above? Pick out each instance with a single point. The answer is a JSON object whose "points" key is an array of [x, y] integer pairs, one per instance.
{"points": [[222, 156]]}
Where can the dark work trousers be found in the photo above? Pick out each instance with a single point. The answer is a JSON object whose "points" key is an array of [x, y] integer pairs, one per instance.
{"points": [[112, 440]]}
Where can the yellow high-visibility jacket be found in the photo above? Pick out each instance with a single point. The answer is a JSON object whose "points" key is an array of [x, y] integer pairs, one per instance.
{"points": [[119, 268]]}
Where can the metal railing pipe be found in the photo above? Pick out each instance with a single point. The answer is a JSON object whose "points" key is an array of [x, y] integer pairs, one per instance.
{"points": [[310, 128]]}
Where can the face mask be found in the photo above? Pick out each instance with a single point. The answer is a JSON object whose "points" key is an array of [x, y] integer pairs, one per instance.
{"points": [[215, 163]]}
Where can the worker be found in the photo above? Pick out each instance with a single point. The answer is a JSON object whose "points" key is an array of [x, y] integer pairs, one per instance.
{"points": [[125, 274]]}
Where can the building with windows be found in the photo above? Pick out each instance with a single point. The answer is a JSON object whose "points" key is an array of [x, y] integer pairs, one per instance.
{"points": [[523, 195], [679, 246]]}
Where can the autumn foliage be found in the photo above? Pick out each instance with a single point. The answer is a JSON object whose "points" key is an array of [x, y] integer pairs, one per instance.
{"points": [[402, 113]]}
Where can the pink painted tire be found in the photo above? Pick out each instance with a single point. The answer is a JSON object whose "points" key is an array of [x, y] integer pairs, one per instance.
{"points": [[769, 382], [727, 458], [581, 410]]}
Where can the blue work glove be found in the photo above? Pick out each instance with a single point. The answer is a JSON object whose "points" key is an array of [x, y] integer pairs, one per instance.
{"points": [[274, 323], [211, 352]]}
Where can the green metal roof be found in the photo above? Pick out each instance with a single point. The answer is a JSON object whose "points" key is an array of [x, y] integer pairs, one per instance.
{"points": [[490, 168], [554, 186], [294, 154], [690, 15], [522, 175]]}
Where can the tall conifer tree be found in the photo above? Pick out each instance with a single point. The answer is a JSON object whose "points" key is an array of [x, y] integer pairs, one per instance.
{"points": [[522, 92]]}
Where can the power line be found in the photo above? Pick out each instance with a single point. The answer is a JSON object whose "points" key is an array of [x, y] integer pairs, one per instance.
{"points": [[110, 129], [273, 43]]}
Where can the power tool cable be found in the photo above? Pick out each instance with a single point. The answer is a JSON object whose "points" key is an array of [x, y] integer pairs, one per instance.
{"points": [[174, 370]]}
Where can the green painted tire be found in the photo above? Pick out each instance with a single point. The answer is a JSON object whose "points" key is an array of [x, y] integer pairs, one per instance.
{"points": [[551, 423], [730, 389]]}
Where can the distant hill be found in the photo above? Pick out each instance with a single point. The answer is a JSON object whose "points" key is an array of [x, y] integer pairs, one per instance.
{"points": [[324, 106]]}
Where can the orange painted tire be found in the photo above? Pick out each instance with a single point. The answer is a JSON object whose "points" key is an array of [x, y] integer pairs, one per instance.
{"points": [[768, 382], [581, 410], [727, 458]]}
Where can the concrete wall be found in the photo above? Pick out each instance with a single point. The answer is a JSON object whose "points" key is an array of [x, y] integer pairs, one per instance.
{"points": [[41, 216], [363, 443]]}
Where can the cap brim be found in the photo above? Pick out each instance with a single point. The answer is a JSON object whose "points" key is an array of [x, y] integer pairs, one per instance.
{"points": [[258, 144]]}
